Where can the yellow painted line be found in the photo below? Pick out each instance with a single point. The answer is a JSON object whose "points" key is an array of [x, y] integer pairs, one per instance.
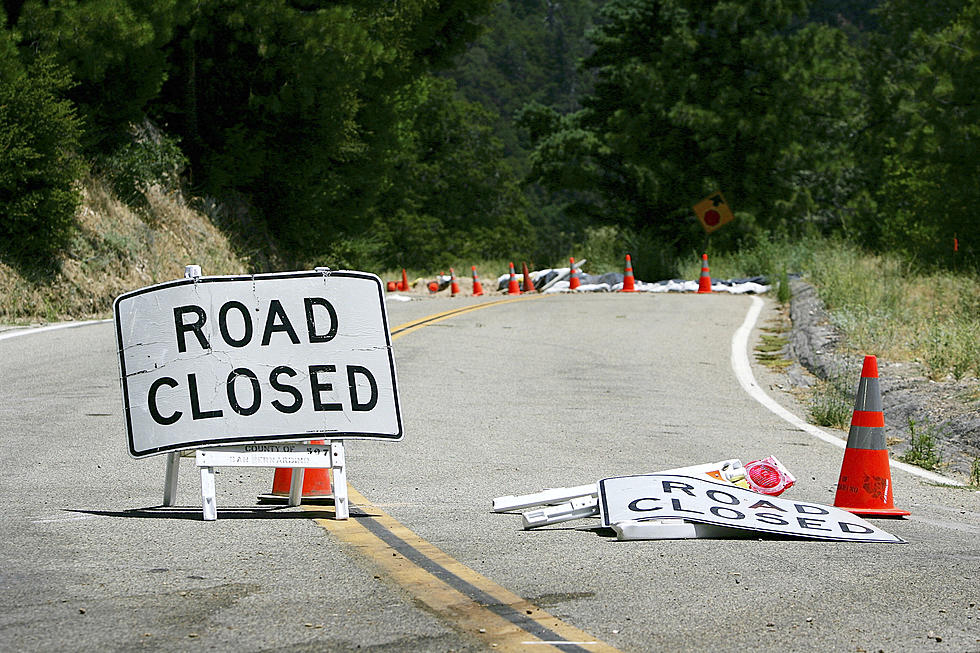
{"points": [[472, 602], [415, 325]]}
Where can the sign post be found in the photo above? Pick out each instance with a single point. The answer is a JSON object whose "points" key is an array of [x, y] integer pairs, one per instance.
{"points": [[254, 360]]}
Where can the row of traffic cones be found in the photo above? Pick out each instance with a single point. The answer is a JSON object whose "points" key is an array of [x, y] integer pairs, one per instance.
{"points": [[514, 287]]}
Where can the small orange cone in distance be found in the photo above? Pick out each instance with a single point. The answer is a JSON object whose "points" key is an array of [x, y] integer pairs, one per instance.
{"points": [[392, 286], [477, 286], [528, 284], [453, 285], [512, 287], [704, 282], [628, 281], [865, 483], [403, 284], [316, 482], [573, 280]]}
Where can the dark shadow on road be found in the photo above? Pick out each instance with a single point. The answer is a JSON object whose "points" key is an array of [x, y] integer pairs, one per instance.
{"points": [[195, 513]]}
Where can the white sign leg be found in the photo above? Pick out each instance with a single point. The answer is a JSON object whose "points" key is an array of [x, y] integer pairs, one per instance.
{"points": [[170, 479], [338, 468], [296, 486], [209, 502]]}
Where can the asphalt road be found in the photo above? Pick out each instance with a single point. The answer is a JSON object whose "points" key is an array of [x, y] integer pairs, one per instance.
{"points": [[508, 399]]}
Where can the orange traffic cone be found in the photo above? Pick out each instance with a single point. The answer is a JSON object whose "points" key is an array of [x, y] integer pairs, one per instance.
{"points": [[704, 282], [573, 280], [512, 287], [628, 281], [316, 483], [453, 285], [528, 284], [865, 484], [477, 286], [403, 284]]}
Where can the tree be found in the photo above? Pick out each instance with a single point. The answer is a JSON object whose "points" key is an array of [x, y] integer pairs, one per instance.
{"points": [[39, 165], [693, 97]]}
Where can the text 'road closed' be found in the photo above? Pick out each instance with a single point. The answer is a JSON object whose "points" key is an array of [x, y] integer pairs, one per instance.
{"points": [[668, 496], [237, 359]]}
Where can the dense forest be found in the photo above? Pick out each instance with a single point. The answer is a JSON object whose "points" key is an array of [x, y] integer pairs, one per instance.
{"points": [[380, 133]]}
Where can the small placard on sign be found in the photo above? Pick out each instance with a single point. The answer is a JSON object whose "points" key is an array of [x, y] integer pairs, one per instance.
{"points": [[266, 357], [662, 496]]}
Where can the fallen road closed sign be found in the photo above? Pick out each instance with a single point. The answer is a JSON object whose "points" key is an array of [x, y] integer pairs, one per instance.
{"points": [[241, 359], [671, 496]]}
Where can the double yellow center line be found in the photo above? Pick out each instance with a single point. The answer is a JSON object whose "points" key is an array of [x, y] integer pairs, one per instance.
{"points": [[471, 602]]}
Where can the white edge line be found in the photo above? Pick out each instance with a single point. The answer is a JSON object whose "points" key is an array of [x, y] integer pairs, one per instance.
{"points": [[743, 372], [14, 333]]}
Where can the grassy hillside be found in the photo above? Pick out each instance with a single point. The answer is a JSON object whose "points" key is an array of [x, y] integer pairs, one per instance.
{"points": [[114, 249]]}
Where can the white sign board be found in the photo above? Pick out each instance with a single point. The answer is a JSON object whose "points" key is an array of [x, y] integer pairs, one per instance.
{"points": [[662, 496], [244, 359]]}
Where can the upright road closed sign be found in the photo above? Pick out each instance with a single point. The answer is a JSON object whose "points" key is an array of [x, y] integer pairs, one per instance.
{"points": [[240, 359]]}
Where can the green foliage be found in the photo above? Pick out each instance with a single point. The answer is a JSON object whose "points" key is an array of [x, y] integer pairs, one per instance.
{"points": [[116, 51], [39, 136], [691, 97], [151, 158], [783, 291], [923, 449]]}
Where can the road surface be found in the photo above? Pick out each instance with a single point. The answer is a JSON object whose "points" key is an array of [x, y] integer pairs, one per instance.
{"points": [[510, 398]]}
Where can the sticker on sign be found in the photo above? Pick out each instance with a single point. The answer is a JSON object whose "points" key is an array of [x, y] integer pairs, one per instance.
{"points": [[663, 496], [240, 359]]}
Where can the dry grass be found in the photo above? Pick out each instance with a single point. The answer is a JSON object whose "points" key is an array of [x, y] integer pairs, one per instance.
{"points": [[116, 249]]}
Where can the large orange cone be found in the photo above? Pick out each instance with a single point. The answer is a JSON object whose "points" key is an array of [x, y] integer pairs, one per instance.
{"points": [[403, 284], [865, 484], [528, 284], [453, 285], [512, 287], [704, 282], [477, 286], [573, 280], [628, 281], [316, 483]]}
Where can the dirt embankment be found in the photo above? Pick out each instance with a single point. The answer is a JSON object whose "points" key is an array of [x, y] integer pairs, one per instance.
{"points": [[948, 409]]}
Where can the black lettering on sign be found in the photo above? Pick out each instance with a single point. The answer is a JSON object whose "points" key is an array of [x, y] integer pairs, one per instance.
{"points": [[811, 523], [676, 503], [196, 412], [730, 513], [762, 503], [317, 387], [732, 499], [804, 509], [634, 505], [771, 518], [352, 384], [233, 395], [675, 485], [277, 321], [196, 326], [848, 528], [223, 323], [282, 387], [310, 303], [152, 401]]}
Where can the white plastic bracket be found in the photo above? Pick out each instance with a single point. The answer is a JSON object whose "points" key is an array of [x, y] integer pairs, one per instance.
{"points": [[295, 455]]}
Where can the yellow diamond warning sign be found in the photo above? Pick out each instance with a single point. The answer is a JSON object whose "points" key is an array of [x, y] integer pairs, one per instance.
{"points": [[713, 212]]}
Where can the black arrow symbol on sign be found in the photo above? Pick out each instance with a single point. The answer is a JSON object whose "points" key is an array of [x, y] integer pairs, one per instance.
{"points": [[717, 200]]}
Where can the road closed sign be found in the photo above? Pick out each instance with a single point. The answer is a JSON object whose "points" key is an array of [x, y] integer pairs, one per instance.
{"points": [[671, 496], [244, 359]]}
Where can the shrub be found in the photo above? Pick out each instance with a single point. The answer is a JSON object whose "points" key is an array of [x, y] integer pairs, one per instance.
{"points": [[39, 138]]}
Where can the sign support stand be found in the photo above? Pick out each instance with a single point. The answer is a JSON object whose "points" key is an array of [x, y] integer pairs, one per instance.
{"points": [[295, 455]]}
